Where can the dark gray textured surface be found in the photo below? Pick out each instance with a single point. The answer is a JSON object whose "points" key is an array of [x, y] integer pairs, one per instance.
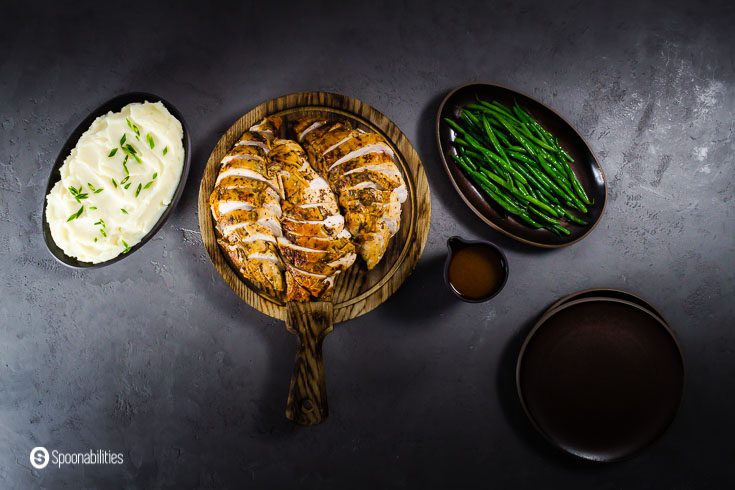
{"points": [[157, 358]]}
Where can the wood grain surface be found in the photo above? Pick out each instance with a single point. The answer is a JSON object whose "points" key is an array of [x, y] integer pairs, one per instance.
{"points": [[357, 290], [307, 397]]}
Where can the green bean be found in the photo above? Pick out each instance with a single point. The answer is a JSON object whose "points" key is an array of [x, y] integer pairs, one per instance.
{"points": [[518, 165], [532, 180], [506, 204], [547, 182], [472, 141], [454, 126], [573, 218], [574, 181], [494, 140], [498, 107], [523, 190], [473, 119], [552, 172], [562, 151], [490, 188], [523, 141], [464, 161], [533, 122], [543, 217], [518, 194], [482, 160], [520, 126]]}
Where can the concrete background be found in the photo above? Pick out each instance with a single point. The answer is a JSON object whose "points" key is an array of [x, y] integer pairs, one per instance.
{"points": [[155, 357]]}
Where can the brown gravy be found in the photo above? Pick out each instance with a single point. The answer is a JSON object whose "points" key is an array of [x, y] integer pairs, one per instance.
{"points": [[476, 271]]}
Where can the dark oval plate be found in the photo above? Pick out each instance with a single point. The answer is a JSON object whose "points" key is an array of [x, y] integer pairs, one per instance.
{"points": [[114, 105], [585, 165], [600, 378], [605, 293]]}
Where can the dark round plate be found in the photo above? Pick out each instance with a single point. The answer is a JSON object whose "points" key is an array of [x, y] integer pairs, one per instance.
{"points": [[114, 105], [601, 378], [606, 293], [585, 165]]}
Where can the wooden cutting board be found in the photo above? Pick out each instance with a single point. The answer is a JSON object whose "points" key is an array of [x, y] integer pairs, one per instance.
{"points": [[357, 291]]}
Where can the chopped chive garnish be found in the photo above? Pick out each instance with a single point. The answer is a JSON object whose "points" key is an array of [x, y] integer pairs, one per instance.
{"points": [[165, 150], [76, 215], [123, 181], [155, 174], [127, 186], [78, 194], [134, 127], [148, 185], [95, 239], [125, 165], [137, 191], [127, 248], [123, 139], [112, 152], [101, 223], [124, 211], [94, 189], [149, 139], [130, 151], [114, 182], [92, 208]]}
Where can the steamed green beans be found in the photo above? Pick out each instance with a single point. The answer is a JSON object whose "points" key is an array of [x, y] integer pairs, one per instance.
{"points": [[519, 165]]}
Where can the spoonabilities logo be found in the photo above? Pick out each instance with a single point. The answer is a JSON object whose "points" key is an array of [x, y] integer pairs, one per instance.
{"points": [[39, 457]]}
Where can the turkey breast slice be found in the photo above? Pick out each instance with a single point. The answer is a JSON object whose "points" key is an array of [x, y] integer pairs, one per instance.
{"points": [[259, 144], [373, 148], [339, 143], [312, 127], [248, 174], [328, 227], [239, 219], [385, 179], [341, 241], [246, 198], [242, 156], [252, 232], [335, 254], [335, 221], [384, 168]]}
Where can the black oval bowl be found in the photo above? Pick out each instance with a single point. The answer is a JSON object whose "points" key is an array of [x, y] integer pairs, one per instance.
{"points": [[115, 104], [585, 165]]}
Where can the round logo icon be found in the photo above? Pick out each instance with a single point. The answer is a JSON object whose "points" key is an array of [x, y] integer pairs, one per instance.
{"points": [[39, 457]]}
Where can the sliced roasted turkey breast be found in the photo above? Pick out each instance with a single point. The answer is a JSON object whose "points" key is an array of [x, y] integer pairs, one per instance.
{"points": [[315, 246], [245, 204], [360, 168]]}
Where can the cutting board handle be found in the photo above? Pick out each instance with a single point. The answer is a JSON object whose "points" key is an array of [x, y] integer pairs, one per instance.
{"points": [[307, 396]]}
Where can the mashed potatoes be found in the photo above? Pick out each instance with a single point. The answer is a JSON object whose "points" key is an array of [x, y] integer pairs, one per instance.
{"points": [[116, 182]]}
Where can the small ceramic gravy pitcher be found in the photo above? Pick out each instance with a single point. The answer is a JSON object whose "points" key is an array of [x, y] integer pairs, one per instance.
{"points": [[475, 270]]}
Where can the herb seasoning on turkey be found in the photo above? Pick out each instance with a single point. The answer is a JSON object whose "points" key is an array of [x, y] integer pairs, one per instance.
{"points": [[278, 206]]}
